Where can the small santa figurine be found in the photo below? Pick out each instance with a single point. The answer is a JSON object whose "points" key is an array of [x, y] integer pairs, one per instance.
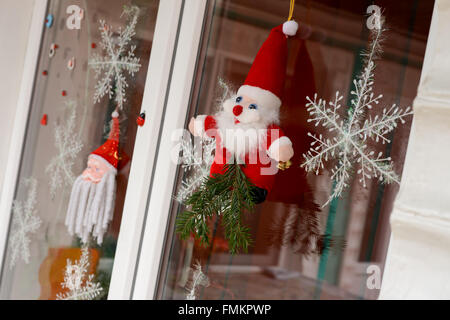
{"points": [[91, 204], [246, 129]]}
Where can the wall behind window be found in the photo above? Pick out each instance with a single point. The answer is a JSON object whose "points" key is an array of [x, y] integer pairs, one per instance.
{"points": [[15, 19]]}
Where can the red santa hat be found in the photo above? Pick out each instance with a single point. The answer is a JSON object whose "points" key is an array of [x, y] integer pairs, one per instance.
{"points": [[265, 81], [109, 150]]}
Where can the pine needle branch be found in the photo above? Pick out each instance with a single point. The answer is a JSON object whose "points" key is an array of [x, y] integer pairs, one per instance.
{"points": [[228, 195]]}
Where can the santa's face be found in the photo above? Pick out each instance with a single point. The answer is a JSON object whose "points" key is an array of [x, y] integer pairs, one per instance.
{"points": [[244, 109], [96, 169], [242, 123]]}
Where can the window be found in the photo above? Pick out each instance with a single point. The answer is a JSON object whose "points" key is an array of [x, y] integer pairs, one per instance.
{"points": [[324, 59], [66, 124]]}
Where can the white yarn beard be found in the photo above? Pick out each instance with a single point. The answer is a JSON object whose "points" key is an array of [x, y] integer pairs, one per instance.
{"points": [[91, 207], [243, 138]]}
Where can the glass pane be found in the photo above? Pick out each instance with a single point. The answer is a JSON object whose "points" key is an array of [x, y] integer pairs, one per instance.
{"points": [[292, 233], [93, 61]]}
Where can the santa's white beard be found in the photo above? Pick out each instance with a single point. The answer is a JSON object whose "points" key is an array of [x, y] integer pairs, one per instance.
{"points": [[241, 138], [91, 207]]}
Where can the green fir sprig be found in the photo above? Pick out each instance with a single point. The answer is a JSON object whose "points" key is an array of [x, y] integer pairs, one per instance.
{"points": [[228, 195]]}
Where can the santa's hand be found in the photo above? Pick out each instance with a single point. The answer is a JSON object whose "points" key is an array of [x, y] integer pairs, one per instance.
{"points": [[284, 153], [192, 127]]}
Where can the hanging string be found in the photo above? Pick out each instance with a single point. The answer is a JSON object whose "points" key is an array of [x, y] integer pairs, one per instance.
{"points": [[291, 10]]}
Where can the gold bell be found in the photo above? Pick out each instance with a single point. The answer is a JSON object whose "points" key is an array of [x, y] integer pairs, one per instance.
{"points": [[284, 165]]}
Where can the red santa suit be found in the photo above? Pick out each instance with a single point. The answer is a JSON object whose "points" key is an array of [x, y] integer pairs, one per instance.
{"points": [[264, 84], [258, 165]]}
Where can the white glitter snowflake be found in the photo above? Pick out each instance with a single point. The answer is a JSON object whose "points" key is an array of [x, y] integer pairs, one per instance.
{"points": [[77, 280], [111, 68], [198, 279], [68, 145], [24, 222], [196, 162], [349, 145]]}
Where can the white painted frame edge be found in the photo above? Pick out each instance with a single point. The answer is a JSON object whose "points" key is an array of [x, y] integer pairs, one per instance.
{"points": [[160, 196], [21, 122], [156, 86], [402, 214]]}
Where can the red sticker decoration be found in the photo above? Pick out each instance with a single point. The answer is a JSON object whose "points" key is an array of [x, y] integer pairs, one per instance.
{"points": [[44, 119], [141, 119]]}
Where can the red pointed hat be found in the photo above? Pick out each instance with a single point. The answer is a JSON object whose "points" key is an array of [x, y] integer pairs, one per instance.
{"points": [[265, 81], [109, 150]]}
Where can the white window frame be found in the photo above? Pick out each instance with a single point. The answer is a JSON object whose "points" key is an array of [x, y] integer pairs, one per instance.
{"points": [[418, 261], [145, 148], [160, 198]]}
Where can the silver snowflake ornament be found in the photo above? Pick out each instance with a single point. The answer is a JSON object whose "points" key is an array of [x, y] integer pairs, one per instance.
{"points": [[24, 222], [68, 145], [347, 141], [196, 163], [77, 281], [197, 158], [198, 279], [110, 69]]}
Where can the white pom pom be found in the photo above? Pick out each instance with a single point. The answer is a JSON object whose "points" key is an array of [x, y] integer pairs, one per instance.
{"points": [[290, 28], [115, 114]]}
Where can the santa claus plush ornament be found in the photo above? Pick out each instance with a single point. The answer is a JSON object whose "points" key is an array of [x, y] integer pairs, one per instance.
{"points": [[247, 128], [249, 144], [91, 205]]}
